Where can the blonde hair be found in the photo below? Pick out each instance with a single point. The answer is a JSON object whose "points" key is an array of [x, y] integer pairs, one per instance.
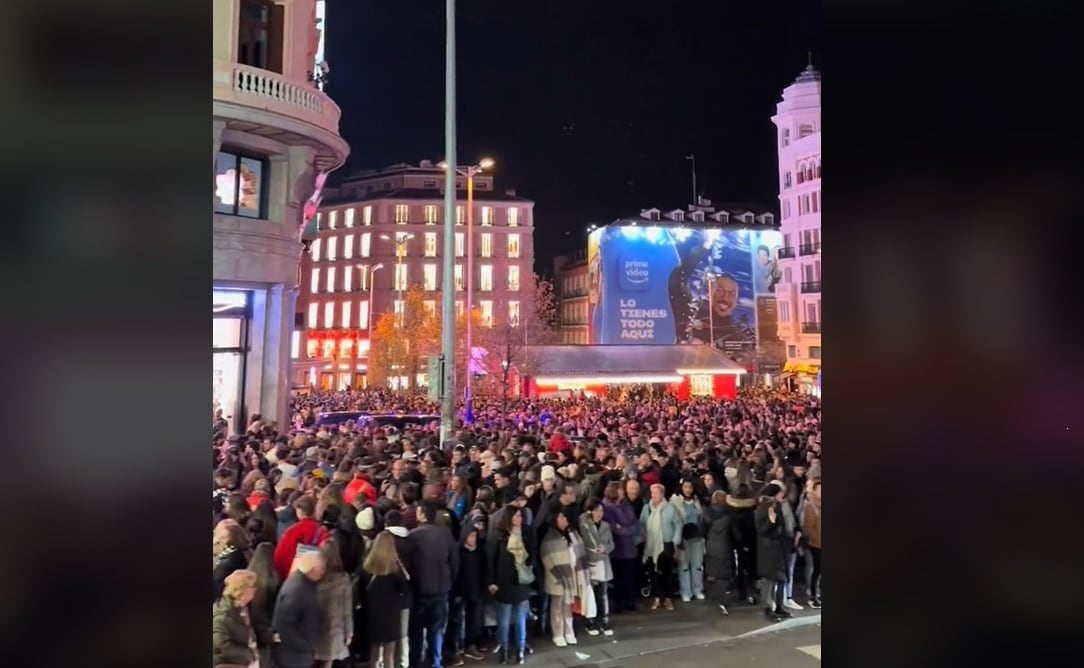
{"points": [[383, 558], [237, 582]]}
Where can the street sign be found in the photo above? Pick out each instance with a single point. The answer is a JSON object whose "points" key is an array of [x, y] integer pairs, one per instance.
{"points": [[434, 374]]}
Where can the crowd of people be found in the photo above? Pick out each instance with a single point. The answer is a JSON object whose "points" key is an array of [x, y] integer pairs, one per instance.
{"points": [[356, 544]]}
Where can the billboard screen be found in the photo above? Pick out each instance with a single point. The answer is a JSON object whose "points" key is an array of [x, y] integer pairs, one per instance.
{"points": [[667, 285]]}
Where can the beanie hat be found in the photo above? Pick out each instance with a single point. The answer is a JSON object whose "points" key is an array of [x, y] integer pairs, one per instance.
{"points": [[548, 473], [366, 519]]}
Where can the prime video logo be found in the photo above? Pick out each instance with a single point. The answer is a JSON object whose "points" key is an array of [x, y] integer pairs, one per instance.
{"points": [[636, 271]]}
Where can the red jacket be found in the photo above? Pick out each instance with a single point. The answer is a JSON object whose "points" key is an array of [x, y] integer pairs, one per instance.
{"points": [[559, 443], [255, 498], [362, 485], [303, 532]]}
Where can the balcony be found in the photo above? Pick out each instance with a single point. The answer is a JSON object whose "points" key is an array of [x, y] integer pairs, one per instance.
{"points": [[811, 287], [811, 328], [786, 252], [809, 249]]}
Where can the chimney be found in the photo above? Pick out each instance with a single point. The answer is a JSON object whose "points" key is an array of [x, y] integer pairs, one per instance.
{"points": [[511, 192]]}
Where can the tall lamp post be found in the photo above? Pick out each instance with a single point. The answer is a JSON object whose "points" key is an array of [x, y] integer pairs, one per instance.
{"points": [[447, 307], [369, 316], [401, 239], [469, 173]]}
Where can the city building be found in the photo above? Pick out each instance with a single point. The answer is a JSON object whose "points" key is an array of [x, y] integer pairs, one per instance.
{"points": [[798, 119], [274, 130], [570, 290], [379, 233]]}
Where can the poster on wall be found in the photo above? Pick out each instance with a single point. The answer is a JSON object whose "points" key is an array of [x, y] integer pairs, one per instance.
{"points": [[667, 285]]}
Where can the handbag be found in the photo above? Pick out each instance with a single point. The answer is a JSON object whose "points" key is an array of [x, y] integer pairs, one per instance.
{"points": [[690, 531]]}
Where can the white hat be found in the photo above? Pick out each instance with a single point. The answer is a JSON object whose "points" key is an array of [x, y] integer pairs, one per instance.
{"points": [[366, 519], [548, 473]]}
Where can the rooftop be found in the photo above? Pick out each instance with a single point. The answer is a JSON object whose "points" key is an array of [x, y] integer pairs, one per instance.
{"points": [[431, 194]]}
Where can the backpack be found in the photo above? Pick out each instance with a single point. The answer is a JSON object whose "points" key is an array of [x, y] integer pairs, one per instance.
{"points": [[319, 538]]}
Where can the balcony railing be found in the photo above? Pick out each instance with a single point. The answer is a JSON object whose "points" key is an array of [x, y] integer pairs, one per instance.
{"points": [[809, 249], [811, 286], [786, 252], [811, 328], [271, 91]]}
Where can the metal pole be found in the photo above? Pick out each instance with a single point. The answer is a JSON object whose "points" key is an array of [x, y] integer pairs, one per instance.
{"points": [[447, 399], [470, 287], [696, 199], [711, 310], [400, 244]]}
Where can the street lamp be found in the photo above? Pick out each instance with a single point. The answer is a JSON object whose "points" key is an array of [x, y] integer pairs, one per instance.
{"points": [[400, 240], [469, 172], [369, 316]]}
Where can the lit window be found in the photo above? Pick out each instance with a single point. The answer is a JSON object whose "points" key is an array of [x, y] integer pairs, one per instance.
{"points": [[430, 306], [459, 308], [398, 306], [701, 385], [513, 278], [331, 249], [430, 276], [348, 246], [487, 245], [367, 215], [348, 279], [314, 283], [363, 348], [329, 315], [363, 313], [513, 216], [513, 245], [459, 217], [331, 279], [366, 241], [486, 282], [430, 214], [314, 315], [402, 212], [319, 220], [316, 250], [513, 313], [329, 347], [348, 217], [804, 130], [487, 215], [346, 315], [459, 243], [331, 216], [295, 344], [487, 312], [400, 276], [239, 184], [430, 244], [458, 277], [786, 136]]}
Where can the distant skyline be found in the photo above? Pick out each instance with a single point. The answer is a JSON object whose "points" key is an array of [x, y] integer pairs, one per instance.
{"points": [[588, 111]]}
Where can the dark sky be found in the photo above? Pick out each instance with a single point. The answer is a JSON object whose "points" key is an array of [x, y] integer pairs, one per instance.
{"points": [[588, 106]]}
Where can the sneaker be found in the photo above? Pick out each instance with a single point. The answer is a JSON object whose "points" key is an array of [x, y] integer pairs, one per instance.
{"points": [[592, 632], [560, 642], [699, 597], [474, 655], [686, 599], [456, 661], [815, 604], [570, 639], [668, 604], [784, 613], [771, 615], [607, 632], [792, 604], [722, 609]]}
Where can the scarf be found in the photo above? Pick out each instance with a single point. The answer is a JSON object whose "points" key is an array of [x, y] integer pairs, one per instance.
{"points": [[519, 553], [654, 537], [564, 558]]}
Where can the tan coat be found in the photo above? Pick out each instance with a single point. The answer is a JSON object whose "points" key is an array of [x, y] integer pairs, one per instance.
{"points": [[811, 523]]}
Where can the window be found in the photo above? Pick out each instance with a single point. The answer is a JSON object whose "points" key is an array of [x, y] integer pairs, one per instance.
{"points": [[784, 310], [786, 208], [487, 215], [398, 306], [348, 279], [513, 216], [366, 243], [430, 306], [329, 315], [701, 385], [817, 170], [459, 215], [429, 184], [314, 282], [239, 185], [331, 250], [430, 214], [487, 245], [430, 244], [259, 34], [367, 215], [363, 313], [346, 315], [348, 217], [366, 276], [401, 276], [513, 313], [295, 344], [348, 246], [513, 245], [811, 314], [458, 277], [331, 279], [513, 278], [315, 250], [459, 239], [402, 211], [786, 136], [332, 219], [786, 179], [804, 130], [429, 275], [816, 208], [314, 314], [792, 351], [486, 282], [486, 306], [815, 352]]}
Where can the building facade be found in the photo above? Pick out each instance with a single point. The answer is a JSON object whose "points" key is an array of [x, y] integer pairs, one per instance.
{"points": [[380, 233], [570, 290], [274, 130], [798, 120]]}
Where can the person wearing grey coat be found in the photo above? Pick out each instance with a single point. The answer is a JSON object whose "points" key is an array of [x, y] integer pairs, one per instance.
{"points": [[598, 538]]}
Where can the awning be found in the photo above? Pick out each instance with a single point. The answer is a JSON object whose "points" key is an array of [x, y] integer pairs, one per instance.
{"points": [[806, 368]]}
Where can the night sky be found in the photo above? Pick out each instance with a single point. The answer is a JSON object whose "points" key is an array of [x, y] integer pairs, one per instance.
{"points": [[588, 106]]}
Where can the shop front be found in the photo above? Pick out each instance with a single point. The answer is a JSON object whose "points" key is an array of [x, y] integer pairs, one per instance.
{"points": [[231, 319], [803, 377]]}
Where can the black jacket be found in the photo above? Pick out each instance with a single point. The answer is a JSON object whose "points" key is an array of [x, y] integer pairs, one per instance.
{"points": [[501, 568], [470, 582], [234, 560], [670, 478], [295, 620], [402, 548], [433, 560]]}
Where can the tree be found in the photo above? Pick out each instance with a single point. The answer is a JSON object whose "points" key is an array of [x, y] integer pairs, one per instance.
{"points": [[400, 344]]}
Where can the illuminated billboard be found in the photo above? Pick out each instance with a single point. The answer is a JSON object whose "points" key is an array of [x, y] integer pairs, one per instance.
{"points": [[665, 285]]}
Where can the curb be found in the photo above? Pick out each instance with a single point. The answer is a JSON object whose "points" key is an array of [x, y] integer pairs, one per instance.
{"points": [[794, 623]]}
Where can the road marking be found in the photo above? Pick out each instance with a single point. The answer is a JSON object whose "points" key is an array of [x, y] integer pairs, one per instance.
{"points": [[812, 650]]}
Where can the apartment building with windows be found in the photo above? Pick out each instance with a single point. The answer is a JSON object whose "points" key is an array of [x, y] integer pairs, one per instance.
{"points": [[380, 232], [570, 290], [798, 120], [274, 129]]}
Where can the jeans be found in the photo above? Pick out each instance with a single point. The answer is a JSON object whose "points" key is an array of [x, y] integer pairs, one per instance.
{"points": [[507, 613], [691, 569], [561, 616], [813, 556], [402, 648], [465, 624], [428, 620], [788, 586], [746, 573], [625, 590], [772, 593], [601, 620]]}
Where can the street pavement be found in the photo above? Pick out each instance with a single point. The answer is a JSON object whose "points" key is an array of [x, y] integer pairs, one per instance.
{"points": [[694, 634]]}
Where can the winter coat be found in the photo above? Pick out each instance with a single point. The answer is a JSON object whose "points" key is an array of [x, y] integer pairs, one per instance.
{"points": [[501, 567], [811, 523], [688, 513], [595, 536], [718, 542], [305, 532], [434, 560], [402, 548], [296, 620], [771, 553], [470, 581], [231, 635], [225, 563], [624, 525], [335, 623]]}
